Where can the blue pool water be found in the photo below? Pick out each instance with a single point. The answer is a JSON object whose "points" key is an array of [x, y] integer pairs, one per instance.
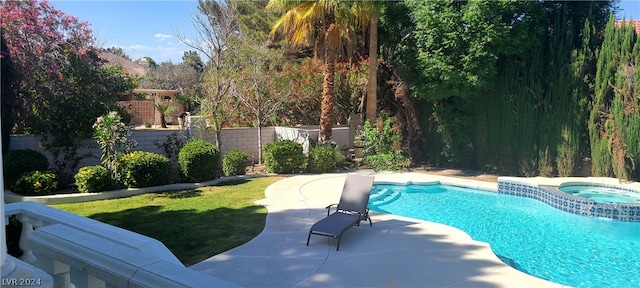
{"points": [[540, 240], [602, 194]]}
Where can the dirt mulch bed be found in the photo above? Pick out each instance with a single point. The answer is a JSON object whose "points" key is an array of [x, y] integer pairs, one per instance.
{"points": [[473, 175], [467, 174]]}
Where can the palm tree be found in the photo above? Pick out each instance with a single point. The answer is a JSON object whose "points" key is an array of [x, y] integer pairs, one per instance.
{"points": [[164, 108], [371, 9], [330, 23]]}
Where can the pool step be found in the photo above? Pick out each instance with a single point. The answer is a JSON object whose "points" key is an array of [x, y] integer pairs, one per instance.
{"points": [[507, 260], [383, 196]]}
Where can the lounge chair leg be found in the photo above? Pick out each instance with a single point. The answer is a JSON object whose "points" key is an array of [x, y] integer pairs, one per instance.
{"points": [[338, 246], [370, 224], [308, 237]]}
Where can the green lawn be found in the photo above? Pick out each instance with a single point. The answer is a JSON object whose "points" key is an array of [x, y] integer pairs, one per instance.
{"points": [[194, 224]]}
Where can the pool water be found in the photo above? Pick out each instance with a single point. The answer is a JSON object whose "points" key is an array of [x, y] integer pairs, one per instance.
{"points": [[602, 194], [527, 234]]}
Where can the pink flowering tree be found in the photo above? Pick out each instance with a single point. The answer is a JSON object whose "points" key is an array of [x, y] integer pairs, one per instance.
{"points": [[58, 66], [39, 34], [62, 85]]}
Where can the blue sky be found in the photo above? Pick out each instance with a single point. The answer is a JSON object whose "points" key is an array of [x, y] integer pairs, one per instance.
{"points": [[141, 28], [148, 28]]}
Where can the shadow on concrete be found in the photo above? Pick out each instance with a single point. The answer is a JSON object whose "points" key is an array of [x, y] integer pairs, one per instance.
{"points": [[394, 252]]}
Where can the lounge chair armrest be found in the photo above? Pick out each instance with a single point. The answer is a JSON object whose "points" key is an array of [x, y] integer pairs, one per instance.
{"points": [[329, 208]]}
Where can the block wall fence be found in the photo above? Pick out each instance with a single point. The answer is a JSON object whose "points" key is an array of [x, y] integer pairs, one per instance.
{"points": [[245, 139]]}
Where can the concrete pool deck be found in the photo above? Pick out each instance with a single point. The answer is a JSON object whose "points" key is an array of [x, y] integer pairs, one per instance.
{"points": [[395, 252]]}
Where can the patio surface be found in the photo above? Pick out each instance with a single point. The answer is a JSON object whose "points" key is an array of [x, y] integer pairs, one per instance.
{"points": [[395, 252]]}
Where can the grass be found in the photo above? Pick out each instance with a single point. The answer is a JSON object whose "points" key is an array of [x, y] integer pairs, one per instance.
{"points": [[194, 224]]}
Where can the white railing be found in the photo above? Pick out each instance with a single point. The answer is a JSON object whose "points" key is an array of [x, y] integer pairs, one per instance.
{"points": [[82, 252]]}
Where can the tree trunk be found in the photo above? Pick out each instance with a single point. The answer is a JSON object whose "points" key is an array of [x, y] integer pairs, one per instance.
{"points": [[372, 84], [328, 102], [163, 120], [217, 127], [259, 138]]}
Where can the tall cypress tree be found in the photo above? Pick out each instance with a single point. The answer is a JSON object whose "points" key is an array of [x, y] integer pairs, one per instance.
{"points": [[528, 116], [614, 122], [534, 116]]}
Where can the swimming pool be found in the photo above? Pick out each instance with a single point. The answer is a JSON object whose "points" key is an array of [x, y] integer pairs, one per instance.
{"points": [[531, 236]]}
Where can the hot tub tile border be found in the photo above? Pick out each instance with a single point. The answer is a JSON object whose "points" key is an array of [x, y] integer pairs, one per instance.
{"points": [[628, 212]]}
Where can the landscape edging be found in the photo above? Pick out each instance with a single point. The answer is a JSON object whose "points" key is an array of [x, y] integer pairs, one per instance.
{"points": [[10, 197]]}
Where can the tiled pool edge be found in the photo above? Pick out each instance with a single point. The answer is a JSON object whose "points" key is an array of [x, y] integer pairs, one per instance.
{"points": [[553, 197]]}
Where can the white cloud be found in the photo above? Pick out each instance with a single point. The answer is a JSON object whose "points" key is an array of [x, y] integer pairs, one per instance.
{"points": [[134, 47], [159, 53], [162, 37]]}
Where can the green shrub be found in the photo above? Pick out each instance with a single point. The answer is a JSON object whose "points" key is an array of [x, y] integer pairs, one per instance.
{"points": [[234, 163], [93, 179], [144, 169], [284, 156], [19, 162], [341, 157], [36, 183], [390, 161], [379, 147], [198, 160], [322, 159], [380, 139]]}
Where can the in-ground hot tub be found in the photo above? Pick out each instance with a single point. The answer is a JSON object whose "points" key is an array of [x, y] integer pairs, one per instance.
{"points": [[550, 191], [602, 194]]}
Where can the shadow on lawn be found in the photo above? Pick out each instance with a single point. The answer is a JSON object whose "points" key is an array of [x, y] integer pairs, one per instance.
{"points": [[232, 182], [190, 234], [179, 194]]}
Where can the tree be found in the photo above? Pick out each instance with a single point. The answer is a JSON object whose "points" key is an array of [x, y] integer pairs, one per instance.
{"points": [[63, 85], [59, 68], [216, 24], [171, 76], [258, 84], [330, 24], [193, 60], [8, 80], [118, 51], [255, 22], [504, 84], [368, 14], [304, 109], [38, 36], [372, 84], [163, 108], [614, 122], [148, 62]]}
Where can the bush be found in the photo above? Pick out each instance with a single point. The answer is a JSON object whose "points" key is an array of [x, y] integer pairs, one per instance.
{"points": [[390, 161], [144, 169], [93, 179], [379, 147], [322, 159], [234, 163], [36, 183], [198, 160], [284, 156], [19, 162]]}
